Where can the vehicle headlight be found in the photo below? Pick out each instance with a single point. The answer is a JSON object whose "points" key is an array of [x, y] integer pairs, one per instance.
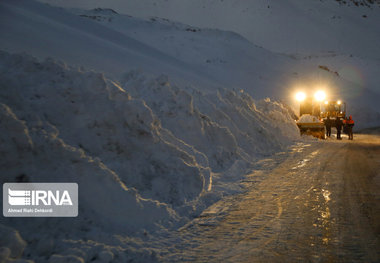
{"points": [[300, 96], [320, 95]]}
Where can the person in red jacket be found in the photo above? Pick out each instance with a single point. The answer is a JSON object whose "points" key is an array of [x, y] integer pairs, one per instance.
{"points": [[350, 124]]}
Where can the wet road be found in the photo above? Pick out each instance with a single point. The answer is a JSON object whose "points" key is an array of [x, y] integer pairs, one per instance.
{"points": [[321, 204]]}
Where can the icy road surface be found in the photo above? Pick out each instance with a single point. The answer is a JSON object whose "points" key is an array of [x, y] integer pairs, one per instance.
{"points": [[321, 204]]}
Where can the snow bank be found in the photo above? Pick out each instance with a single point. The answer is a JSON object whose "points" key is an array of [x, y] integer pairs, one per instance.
{"points": [[102, 120], [102, 192], [224, 125], [11, 244], [158, 138], [143, 152], [307, 118]]}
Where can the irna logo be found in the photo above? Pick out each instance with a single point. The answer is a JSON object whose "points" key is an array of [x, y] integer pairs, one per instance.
{"points": [[38, 197]]}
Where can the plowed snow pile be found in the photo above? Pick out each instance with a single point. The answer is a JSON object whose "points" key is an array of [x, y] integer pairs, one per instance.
{"points": [[146, 154], [307, 118]]}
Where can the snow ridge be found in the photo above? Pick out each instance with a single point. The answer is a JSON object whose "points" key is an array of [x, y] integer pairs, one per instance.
{"points": [[146, 153]]}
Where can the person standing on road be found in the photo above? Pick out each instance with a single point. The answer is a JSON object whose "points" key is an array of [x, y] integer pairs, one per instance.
{"points": [[345, 131], [328, 126], [338, 125], [350, 124]]}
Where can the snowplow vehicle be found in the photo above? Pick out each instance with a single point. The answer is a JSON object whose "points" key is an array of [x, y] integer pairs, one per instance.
{"points": [[333, 109], [311, 125], [313, 113]]}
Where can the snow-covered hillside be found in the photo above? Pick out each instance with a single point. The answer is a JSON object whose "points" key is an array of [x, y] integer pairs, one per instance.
{"points": [[289, 26]]}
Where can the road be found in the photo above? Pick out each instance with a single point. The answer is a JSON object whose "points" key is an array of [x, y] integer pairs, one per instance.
{"points": [[320, 204]]}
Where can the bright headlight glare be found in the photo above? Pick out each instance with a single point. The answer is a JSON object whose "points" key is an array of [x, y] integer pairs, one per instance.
{"points": [[339, 102], [320, 95], [300, 96]]}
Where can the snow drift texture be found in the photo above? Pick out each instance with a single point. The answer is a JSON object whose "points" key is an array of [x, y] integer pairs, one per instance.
{"points": [[143, 151]]}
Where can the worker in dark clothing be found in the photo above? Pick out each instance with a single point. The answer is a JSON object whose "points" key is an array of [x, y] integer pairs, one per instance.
{"points": [[338, 125], [350, 124], [328, 126]]}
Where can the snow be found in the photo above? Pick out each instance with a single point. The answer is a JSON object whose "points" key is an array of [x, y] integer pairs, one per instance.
{"points": [[223, 125], [119, 43], [356, 64], [291, 26], [11, 243], [307, 118], [113, 44], [53, 31], [157, 120], [146, 154]]}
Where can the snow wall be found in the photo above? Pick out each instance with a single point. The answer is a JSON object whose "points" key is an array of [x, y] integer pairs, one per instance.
{"points": [[146, 154]]}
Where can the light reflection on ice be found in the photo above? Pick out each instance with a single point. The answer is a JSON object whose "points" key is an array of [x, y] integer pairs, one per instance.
{"points": [[299, 147], [325, 218], [300, 164], [326, 194], [323, 222], [303, 162], [325, 214]]}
